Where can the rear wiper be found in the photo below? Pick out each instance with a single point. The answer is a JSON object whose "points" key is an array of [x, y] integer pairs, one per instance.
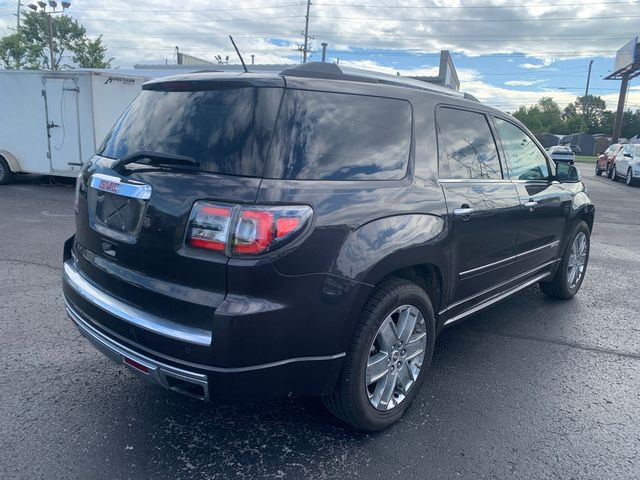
{"points": [[155, 158]]}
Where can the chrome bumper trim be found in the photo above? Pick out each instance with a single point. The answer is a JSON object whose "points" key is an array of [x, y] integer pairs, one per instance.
{"points": [[133, 315], [84, 325], [159, 373]]}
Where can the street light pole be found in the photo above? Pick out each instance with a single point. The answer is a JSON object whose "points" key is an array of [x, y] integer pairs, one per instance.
{"points": [[43, 9]]}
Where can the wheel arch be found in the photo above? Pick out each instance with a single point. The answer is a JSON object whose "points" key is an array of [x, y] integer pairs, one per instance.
{"points": [[11, 160]]}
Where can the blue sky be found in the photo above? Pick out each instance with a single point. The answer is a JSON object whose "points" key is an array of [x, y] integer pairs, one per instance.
{"points": [[507, 52]]}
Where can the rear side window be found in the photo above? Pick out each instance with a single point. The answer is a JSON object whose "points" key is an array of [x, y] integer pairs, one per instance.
{"points": [[335, 136], [466, 148], [525, 161], [227, 131]]}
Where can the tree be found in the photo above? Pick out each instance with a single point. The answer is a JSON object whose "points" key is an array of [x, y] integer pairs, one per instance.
{"points": [[587, 112], [70, 41], [11, 51]]}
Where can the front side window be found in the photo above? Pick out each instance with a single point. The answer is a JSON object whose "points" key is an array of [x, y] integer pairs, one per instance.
{"points": [[525, 161], [466, 148]]}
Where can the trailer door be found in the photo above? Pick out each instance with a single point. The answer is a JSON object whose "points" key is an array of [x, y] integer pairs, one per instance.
{"points": [[61, 102]]}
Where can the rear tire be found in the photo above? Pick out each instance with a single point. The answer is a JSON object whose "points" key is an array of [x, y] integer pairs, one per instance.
{"points": [[5, 172], [356, 394], [567, 281]]}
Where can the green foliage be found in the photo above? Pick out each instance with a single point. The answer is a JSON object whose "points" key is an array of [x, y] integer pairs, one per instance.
{"points": [[31, 48], [586, 114]]}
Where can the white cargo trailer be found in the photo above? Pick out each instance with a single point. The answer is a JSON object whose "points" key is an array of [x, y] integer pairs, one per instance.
{"points": [[53, 121]]}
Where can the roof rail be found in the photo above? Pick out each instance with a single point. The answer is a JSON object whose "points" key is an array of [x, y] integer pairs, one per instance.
{"points": [[335, 72]]}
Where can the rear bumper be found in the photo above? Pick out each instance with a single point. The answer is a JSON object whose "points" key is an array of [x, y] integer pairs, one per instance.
{"points": [[183, 381], [234, 358]]}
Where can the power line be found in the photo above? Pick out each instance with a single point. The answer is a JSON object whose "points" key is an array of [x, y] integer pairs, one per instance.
{"points": [[484, 20], [465, 7]]}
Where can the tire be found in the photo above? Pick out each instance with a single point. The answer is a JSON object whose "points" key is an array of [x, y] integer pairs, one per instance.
{"points": [[614, 173], [629, 180], [5, 172], [598, 171], [609, 170], [561, 285], [354, 396]]}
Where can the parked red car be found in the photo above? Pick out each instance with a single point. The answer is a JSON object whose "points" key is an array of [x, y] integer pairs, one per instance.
{"points": [[605, 160]]}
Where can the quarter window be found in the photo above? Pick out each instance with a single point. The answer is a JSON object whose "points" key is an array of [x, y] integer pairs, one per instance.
{"points": [[525, 161], [466, 146]]}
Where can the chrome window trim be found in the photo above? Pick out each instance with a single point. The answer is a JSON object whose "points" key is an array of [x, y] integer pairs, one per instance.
{"points": [[131, 314], [474, 180], [126, 188]]}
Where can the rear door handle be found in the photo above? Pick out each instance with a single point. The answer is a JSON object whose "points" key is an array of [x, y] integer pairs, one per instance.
{"points": [[464, 212], [531, 205]]}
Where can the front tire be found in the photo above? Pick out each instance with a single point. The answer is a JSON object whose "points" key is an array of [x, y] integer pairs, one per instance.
{"points": [[614, 173], [5, 172], [598, 171], [386, 364], [570, 273], [629, 180]]}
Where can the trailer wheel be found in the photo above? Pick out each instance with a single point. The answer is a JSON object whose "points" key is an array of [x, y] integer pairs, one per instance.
{"points": [[5, 172]]}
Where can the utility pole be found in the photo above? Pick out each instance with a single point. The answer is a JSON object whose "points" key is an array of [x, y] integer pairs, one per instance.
{"points": [[19, 36], [585, 118], [42, 8], [617, 126], [305, 48], [324, 51]]}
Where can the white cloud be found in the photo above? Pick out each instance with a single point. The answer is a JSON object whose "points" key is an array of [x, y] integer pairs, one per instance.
{"points": [[524, 83]]}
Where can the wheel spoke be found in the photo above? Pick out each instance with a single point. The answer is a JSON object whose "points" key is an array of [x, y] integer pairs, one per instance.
{"points": [[377, 367], [407, 323], [386, 395], [387, 335], [415, 347], [405, 379]]}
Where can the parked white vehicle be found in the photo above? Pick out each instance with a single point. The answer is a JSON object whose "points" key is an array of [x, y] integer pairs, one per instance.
{"points": [[627, 164], [562, 153], [53, 121]]}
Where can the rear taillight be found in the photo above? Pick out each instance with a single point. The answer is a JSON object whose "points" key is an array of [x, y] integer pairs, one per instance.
{"points": [[244, 230]]}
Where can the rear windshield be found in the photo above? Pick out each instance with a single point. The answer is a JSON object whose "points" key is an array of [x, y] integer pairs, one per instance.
{"points": [[227, 131], [317, 136]]}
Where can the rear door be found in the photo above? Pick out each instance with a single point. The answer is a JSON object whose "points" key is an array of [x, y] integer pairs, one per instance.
{"points": [[483, 207], [61, 97], [545, 204]]}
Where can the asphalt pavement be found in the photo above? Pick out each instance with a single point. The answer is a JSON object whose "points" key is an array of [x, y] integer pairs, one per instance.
{"points": [[529, 388]]}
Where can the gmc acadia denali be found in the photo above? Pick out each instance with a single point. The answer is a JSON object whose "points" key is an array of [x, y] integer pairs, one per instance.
{"points": [[310, 233]]}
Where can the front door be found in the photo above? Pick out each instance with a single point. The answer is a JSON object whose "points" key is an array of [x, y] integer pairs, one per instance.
{"points": [[61, 97], [483, 208], [545, 203]]}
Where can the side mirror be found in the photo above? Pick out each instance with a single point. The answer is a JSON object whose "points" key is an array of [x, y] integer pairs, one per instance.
{"points": [[567, 173]]}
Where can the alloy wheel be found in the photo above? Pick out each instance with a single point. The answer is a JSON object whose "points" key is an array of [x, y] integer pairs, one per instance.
{"points": [[395, 357], [577, 260], [629, 177]]}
